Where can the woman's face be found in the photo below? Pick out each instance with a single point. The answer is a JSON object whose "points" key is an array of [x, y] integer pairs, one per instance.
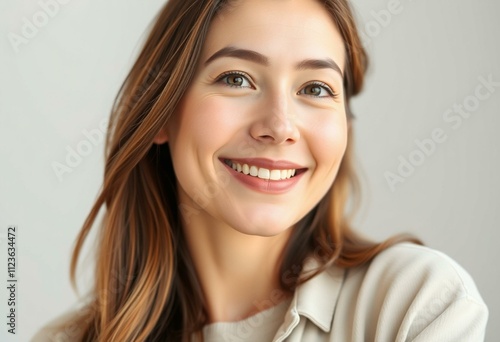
{"points": [[259, 136]]}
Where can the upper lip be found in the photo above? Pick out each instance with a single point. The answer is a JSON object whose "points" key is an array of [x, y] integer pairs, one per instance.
{"points": [[266, 163]]}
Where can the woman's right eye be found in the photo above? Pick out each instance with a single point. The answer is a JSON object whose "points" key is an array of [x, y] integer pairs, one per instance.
{"points": [[234, 79]]}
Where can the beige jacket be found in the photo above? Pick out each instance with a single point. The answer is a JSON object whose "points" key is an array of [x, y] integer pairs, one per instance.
{"points": [[407, 293]]}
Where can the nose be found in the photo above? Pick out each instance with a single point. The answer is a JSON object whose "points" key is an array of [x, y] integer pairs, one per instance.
{"points": [[276, 122]]}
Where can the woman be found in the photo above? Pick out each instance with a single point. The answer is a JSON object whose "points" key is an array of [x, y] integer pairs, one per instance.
{"points": [[227, 176]]}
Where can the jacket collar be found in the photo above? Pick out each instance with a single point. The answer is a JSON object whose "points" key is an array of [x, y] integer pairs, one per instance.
{"points": [[316, 298]]}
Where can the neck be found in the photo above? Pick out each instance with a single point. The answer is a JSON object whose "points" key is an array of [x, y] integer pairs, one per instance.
{"points": [[239, 273]]}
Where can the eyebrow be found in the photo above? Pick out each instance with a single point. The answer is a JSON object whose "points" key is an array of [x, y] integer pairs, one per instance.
{"points": [[231, 51], [256, 57], [319, 64]]}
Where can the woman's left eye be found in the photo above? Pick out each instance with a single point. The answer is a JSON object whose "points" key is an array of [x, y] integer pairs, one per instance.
{"points": [[318, 89]]}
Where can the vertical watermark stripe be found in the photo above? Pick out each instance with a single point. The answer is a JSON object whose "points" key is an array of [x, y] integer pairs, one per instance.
{"points": [[9, 240]]}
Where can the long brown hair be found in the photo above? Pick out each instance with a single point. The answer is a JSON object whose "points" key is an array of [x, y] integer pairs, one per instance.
{"points": [[145, 286]]}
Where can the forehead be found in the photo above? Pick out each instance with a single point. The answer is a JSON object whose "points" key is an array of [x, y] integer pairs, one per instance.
{"points": [[282, 30]]}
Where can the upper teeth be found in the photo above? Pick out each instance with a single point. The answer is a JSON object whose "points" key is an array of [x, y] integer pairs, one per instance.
{"points": [[261, 172]]}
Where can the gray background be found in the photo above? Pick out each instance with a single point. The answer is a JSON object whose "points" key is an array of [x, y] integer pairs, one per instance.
{"points": [[424, 59]]}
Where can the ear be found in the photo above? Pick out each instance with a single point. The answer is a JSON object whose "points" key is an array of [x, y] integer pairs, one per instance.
{"points": [[161, 137]]}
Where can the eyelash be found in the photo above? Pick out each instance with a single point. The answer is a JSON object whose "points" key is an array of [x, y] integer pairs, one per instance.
{"points": [[232, 73], [324, 86], [329, 90]]}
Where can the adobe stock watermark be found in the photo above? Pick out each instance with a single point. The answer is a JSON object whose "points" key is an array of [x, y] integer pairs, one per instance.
{"points": [[439, 303], [381, 19], [155, 77], [32, 25], [454, 117], [75, 155]]}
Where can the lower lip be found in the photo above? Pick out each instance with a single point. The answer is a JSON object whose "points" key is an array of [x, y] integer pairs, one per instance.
{"points": [[266, 186]]}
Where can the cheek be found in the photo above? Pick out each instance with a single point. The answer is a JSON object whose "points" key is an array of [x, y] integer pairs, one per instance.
{"points": [[208, 120], [328, 141]]}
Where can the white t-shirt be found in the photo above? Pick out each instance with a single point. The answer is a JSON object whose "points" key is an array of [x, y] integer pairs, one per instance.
{"points": [[259, 327]]}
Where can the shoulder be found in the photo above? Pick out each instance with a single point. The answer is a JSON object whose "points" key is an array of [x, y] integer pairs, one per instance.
{"points": [[413, 270], [415, 291], [410, 264], [64, 328]]}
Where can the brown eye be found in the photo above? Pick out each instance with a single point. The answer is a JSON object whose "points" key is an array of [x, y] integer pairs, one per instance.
{"points": [[312, 90], [317, 89], [235, 79]]}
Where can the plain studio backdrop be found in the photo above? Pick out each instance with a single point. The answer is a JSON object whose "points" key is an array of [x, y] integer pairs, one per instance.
{"points": [[426, 134]]}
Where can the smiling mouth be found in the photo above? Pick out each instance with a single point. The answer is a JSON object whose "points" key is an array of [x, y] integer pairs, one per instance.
{"points": [[261, 172]]}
